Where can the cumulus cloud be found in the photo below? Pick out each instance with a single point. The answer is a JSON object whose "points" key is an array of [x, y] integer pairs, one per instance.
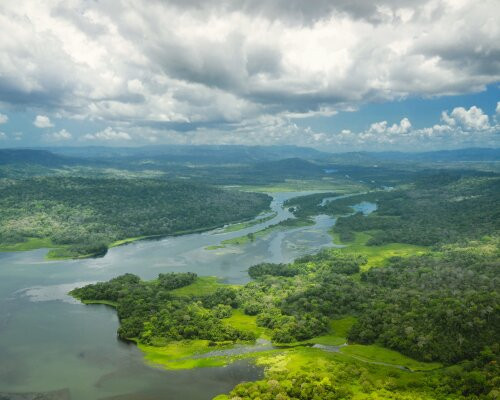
{"points": [[3, 118], [42, 121], [382, 127], [61, 135], [471, 119], [462, 127], [3, 135], [108, 134], [219, 64]]}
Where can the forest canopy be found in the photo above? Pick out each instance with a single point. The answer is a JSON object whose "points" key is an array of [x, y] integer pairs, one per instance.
{"points": [[87, 215]]}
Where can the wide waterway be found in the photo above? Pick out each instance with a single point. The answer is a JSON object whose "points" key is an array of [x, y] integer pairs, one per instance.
{"points": [[48, 341]]}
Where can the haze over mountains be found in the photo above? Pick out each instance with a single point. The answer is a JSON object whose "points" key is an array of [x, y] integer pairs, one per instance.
{"points": [[217, 154]]}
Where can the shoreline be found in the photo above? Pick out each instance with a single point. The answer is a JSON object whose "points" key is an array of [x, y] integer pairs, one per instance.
{"points": [[46, 243]]}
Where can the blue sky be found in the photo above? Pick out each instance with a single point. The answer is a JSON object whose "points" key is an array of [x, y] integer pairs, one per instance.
{"points": [[335, 75], [421, 111]]}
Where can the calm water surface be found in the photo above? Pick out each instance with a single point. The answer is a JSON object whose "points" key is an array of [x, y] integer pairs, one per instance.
{"points": [[48, 341]]}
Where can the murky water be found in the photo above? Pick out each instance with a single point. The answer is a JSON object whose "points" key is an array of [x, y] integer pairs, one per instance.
{"points": [[48, 341]]}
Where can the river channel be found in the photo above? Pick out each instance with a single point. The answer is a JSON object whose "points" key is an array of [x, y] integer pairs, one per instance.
{"points": [[48, 341]]}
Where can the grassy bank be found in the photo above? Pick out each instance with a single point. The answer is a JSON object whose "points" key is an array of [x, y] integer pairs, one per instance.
{"points": [[297, 185], [378, 256], [377, 354], [29, 244], [251, 237], [60, 252], [179, 355], [243, 225]]}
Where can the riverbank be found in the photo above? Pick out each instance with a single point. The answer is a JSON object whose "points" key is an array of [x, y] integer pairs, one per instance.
{"points": [[58, 252], [251, 237], [197, 353]]}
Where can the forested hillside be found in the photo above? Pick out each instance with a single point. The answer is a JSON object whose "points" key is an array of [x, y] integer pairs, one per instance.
{"points": [[86, 215], [440, 208]]}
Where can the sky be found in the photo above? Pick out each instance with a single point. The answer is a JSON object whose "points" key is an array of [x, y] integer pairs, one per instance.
{"points": [[336, 75]]}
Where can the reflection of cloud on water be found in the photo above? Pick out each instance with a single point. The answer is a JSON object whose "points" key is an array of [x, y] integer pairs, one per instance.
{"points": [[52, 293]]}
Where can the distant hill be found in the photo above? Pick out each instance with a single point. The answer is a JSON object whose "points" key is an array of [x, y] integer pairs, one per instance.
{"points": [[36, 157], [469, 154], [290, 167], [230, 154], [202, 154]]}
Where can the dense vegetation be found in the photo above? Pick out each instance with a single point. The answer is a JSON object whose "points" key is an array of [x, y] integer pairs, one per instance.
{"points": [[437, 209], [322, 203], [442, 207], [221, 165], [89, 214], [259, 270], [149, 312], [309, 375], [442, 306]]}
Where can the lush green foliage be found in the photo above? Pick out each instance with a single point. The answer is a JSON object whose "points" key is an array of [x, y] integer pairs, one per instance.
{"points": [[289, 299], [172, 280], [298, 385], [149, 312], [323, 203], [306, 374], [442, 308], [258, 270], [443, 208], [89, 214], [441, 305]]}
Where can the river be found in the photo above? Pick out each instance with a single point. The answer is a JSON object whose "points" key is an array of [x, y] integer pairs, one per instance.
{"points": [[49, 342]]}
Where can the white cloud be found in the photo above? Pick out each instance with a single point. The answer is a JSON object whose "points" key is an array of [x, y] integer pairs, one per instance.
{"points": [[471, 119], [447, 119], [3, 118], [61, 135], [403, 127], [461, 128], [218, 64], [382, 127], [378, 127], [3, 136], [108, 134], [42, 121], [498, 108]]}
